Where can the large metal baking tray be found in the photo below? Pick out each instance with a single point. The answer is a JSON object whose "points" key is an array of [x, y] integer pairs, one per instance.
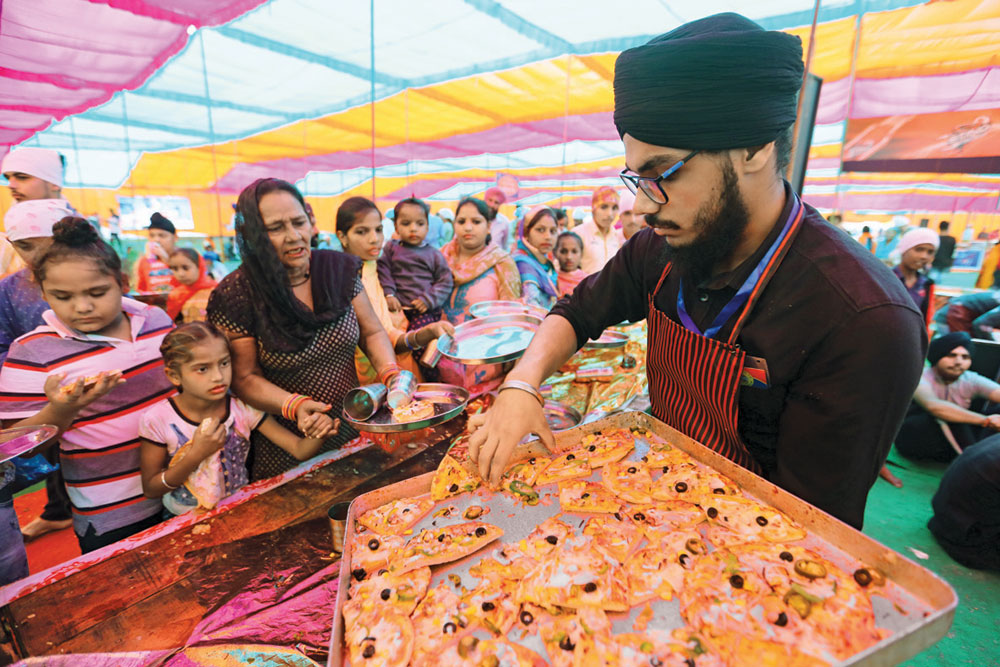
{"points": [[449, 402], [491, 308], [916, 605], [20, 439], [490, 340]]}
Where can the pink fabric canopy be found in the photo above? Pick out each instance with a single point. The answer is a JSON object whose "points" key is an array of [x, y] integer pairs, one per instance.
{"points": [[61, 57]]}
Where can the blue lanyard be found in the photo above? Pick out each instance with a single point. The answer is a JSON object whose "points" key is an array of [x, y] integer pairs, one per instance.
{"points": [[743, 293]]}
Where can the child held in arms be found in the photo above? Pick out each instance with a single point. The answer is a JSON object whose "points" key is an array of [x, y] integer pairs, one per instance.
{"points": [[414, 274], [189, 300], [569, 250], [195, 444]]}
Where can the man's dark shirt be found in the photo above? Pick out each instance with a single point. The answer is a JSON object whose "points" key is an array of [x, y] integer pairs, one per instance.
{"points": [[843, 342], [945, 252]]}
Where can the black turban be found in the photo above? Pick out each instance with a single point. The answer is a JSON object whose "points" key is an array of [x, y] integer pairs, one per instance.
{"points": [[942, 346], [718, 83], [159, 221]]}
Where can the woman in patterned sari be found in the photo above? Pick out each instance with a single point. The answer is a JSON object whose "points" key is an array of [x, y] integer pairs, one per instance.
{"points": [[539, 278]]}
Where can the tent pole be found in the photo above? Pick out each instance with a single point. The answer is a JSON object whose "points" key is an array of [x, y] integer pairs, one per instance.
{"points": [[211, 135], [372, 103], [562, 184], [805, 78]]}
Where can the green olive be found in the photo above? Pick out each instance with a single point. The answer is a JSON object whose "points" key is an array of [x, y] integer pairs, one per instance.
{"points": [[810, 569], [801, 605], [696, 546]]}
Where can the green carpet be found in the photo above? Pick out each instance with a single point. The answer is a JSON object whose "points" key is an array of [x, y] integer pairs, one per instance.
{"points": [[898, 519]]}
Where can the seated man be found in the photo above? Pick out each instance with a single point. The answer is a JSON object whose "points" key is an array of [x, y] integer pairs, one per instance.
{"points": [[946, 390], [966, 521], [976, 314]]}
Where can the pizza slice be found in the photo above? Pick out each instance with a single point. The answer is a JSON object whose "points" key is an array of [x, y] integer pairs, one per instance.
{"points": [[445, 544], [661, 454], [413, 411], [582, 496], [567, 466], [666, 517], [576, 576], [453, 478], [647, 576], [629, 480], [380, 637], [614, 534], [543, 540], [402, 592], [396, 516], [437, 622], [686, 481], [640, 649], [371, 552], [581, 638], [491, 607], [471, 650], [601, 448], [739, 520], [519, 478]]}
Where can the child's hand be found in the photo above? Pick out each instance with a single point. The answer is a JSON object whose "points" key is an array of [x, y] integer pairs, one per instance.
{"points": [[419, 305], [82, 392], [312, 418], [394, 305], [439, 329], [322, 427], [209, 437]]}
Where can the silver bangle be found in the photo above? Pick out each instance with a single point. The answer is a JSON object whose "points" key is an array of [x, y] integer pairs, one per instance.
{"points": [[163, 478], [523, 386]]}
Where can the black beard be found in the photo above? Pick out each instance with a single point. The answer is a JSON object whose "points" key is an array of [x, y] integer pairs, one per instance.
{"points": [[493, 213], [720, 232]]}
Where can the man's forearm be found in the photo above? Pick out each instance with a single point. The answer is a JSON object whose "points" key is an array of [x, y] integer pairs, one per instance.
{"points": [[552, 346]]}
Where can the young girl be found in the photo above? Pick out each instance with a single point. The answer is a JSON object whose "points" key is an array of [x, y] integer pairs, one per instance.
{"points": [[106, 347], [569, 251], [413, 273], [195, 444], [538, 274], [188, 301]]}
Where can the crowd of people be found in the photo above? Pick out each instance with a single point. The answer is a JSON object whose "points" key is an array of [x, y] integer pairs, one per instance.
{"points": [[164, 410], [774, 338]]}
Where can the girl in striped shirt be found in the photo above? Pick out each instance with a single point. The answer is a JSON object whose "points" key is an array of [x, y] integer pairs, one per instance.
{"points": [[90, 369]]}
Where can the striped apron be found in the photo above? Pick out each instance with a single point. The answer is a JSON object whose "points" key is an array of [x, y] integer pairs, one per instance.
{"points": [[693, 377]]}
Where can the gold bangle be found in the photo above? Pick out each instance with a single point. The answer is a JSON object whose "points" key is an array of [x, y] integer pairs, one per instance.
{"points": [[523, 386]]}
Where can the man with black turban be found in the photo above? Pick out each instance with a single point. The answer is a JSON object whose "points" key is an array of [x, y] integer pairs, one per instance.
{"points": [[774, 338], [945, 394]]}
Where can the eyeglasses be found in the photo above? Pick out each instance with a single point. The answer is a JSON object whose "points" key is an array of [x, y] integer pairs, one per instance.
{"points": [[651, 187]]}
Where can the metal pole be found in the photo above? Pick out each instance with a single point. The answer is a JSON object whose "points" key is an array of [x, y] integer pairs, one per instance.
{"points": [[805, 78], [211, 134], [372, 103]]}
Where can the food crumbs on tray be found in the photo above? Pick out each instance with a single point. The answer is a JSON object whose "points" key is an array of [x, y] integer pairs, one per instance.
{"points": [[643, 619], [201, 529], [918, 553]]}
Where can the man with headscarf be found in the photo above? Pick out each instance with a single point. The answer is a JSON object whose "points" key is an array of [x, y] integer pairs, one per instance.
{"points": [[499, 223], [31, 173], [600, 242], [29, 230], [945, 394], [774, 338]]}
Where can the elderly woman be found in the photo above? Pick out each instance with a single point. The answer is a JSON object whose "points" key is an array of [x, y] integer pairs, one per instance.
{"points": [[359, 230], [482, 272], [539, 278], [293, 316]]}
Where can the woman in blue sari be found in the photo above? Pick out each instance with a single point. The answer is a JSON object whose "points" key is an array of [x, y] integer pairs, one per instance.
{"points": [[539, 278]]}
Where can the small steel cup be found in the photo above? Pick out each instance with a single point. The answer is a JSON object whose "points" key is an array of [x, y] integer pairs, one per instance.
{"points": [[362, 403], [432, 355], [401, 389], [338, 520]]}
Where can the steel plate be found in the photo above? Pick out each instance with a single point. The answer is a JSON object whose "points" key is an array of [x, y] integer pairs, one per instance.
{"points": [[20, 439], [490, 340], [449, 402], [561, 416], [492, 308]]}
